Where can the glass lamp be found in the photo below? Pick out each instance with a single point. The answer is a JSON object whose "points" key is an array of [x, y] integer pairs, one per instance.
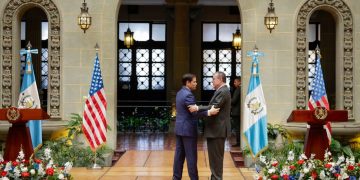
{"points": [[128, 38], [270, 19], [236, 43], [84, 19]]}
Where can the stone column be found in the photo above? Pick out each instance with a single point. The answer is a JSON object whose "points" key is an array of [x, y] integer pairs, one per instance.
{"points": [[181, 47]]}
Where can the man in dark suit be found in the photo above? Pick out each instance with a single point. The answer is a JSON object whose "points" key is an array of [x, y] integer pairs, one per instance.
{"points": [[217, 127], [235, 110], [186, 128]]}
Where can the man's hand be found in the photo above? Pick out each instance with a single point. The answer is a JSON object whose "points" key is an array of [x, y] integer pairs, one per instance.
{"points": [[214, 111], [193, 108]]}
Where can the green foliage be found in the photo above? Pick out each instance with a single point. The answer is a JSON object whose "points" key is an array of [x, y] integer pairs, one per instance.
{"points": [[281, 153], [357, 154], [145, 120], [68, 149], [276, 129], [63, 151], [337, 149], [75, 123], [246, 151]]}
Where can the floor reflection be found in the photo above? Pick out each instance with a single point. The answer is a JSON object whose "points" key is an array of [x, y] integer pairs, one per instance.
{"points": [[160, 141]]}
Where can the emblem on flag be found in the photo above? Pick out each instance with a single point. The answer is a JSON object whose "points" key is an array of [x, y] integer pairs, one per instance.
{"points": [[254, 105]]}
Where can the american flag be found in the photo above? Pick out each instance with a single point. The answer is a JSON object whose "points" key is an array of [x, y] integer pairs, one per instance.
{"points": [[94, 118], [318, 97]]}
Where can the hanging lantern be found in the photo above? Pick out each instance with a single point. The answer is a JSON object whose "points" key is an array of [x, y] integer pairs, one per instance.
{"points": [[84, 19], [236, 43], [128, 38], [270, 19]]}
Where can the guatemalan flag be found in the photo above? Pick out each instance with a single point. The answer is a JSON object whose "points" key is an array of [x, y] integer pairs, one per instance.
{"points": [[29, 97], [318, 97], [255, 121]]}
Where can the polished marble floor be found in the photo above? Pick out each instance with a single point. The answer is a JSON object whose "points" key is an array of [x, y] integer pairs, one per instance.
{"points": [[149, 156], [151, 165], [160, 141]]}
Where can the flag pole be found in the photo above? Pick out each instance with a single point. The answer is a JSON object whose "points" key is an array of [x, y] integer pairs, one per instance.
{"points": [[96, 166]]}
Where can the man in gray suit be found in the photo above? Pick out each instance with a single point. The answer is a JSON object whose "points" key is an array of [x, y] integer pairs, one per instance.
{"points": [[217, 127]]}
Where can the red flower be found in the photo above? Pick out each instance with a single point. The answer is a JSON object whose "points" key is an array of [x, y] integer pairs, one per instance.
{"points": [[337, 174], [292, 167], [26, 162], [260, 178], [328, 165], [274, 164], [285, 177], [15, 163], [350, 167], [314, 174], [50, 171], [4, 162], [25, 174], [274, 177], [38, 161], [3, 173], [301, 161]]}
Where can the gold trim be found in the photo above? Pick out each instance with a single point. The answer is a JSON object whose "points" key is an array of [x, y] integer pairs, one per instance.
{"points": [[13, 114], [320, 113]]}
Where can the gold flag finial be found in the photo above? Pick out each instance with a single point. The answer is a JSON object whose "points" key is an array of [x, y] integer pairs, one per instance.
{"points": [[97, 47], [29, 45]]}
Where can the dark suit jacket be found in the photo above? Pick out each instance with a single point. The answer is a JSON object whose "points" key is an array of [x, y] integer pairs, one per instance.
{"points": [[219, 125], [235, 102], [186, 122]]}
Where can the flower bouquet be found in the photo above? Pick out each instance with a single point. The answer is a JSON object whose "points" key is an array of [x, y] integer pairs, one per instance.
{"points": [[308, 168], [42, 168]]}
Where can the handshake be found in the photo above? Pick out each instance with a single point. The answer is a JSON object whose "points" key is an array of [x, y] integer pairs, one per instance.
{"points": [[211, 112]]}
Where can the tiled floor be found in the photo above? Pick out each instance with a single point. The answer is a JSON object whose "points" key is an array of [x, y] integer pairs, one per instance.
{"points": [[150, 157]]}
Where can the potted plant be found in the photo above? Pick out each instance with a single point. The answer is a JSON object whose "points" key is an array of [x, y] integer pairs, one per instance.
{"points": [[75, 128], [248, 159]]}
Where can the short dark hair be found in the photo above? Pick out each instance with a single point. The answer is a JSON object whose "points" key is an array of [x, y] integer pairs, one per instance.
{"points": [[221, 76], [238, 78], [187, 77]]}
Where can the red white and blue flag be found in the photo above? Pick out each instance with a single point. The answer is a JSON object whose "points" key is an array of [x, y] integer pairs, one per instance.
{"points": [[94, 118], [318, 97]]}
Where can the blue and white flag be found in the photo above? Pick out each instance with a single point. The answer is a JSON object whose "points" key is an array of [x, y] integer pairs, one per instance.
{"points": [[29, 97], [255, 121]]}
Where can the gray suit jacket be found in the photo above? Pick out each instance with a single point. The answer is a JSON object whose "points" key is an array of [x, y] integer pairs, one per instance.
{"points": [[219, 125]]}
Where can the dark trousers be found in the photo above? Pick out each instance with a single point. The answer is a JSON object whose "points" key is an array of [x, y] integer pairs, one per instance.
{"points": [[216, 157], [186, 147], [235, 120]]}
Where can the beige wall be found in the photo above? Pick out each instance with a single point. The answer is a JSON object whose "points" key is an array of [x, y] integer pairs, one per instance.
{"points": [[278, 67]]}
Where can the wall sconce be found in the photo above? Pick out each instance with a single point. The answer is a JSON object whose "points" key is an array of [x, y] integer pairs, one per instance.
{"points": [[128, 38], [270, 19], [236, 43], [84, 19]]}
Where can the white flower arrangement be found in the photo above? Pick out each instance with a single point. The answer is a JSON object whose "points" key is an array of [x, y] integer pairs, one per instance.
{"points": [[308, 168], [43, 168]]}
